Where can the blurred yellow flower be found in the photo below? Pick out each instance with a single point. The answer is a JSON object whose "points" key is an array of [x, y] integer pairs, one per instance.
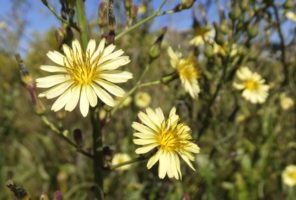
{"points": [[84, 76], [120, 158], [142, 9], [291, 15], [169, 137], [289, 175], [202, 35], [218, 49], [142, 99], [252, 84], [187, 70], [286, 102]]}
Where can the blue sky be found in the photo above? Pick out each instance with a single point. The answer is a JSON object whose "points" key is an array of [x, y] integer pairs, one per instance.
{"points": [[40, 19]]}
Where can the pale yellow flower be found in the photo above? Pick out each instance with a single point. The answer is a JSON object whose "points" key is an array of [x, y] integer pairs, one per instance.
{"points": [[252, 85], [142, 99], [84, 76], [142, 9], [187, 70], [289, 175], [120, 158], [202, 35], [169, 138], [291, 15], [286, 102], [218, 49]]}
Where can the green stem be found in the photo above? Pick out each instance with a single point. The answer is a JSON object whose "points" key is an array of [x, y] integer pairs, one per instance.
{"points": [[59, 133], [82, 22], [96, 125], [98, 155], [131, 91], [50, 8], [140, 23]]}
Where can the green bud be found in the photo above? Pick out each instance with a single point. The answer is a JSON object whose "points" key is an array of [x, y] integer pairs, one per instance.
{"points": [[253, 31], [224, 27], [209, 51], [244, 5], [219, 37], [234, 13], [288, 4], [154, 51]]}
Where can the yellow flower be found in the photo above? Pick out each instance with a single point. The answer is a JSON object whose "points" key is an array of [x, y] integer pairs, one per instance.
{"points": [[291, 15], [289, 175], [142, 99], [169, 137], [187, 70], [252, 84], [83, 76], [286, 102], [218, 49], [120, 158], [202, 35], [142, 9]]}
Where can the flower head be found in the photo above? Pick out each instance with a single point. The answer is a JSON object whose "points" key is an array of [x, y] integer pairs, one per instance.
{"points": [[289, 175], [202, 35], [142, 99], [169, 137], [252, 84], [187, 70], [120, 158], [286, 101], [291, 16], [84, 76]]}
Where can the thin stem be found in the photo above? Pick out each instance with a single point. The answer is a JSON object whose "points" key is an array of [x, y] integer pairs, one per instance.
{"points": [[140, 23], [62, 20], [50, 8], [282, 46], [139, 159], [59, 133], [165, 79], [131, 91]]}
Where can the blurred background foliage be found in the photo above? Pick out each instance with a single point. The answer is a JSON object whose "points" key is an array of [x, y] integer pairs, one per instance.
{"points": [[244, 147]]}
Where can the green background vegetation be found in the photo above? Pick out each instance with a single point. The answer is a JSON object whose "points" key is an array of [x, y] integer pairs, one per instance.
{"points": [[244, 147]]}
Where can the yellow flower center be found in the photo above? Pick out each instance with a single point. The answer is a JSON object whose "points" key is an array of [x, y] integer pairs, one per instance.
{"points": [[171, 138], [292, 175], [81, 70], [251, 85], [187, 69]]}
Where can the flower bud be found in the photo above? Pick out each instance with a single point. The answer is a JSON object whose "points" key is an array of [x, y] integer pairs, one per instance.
{"points": [[288, 4], [44, 197], [103, 12], [253, 31], [209, 52], [29, 83], [19, 192], [154, 51], [58, 196], [234, 13], [78, 137]]}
